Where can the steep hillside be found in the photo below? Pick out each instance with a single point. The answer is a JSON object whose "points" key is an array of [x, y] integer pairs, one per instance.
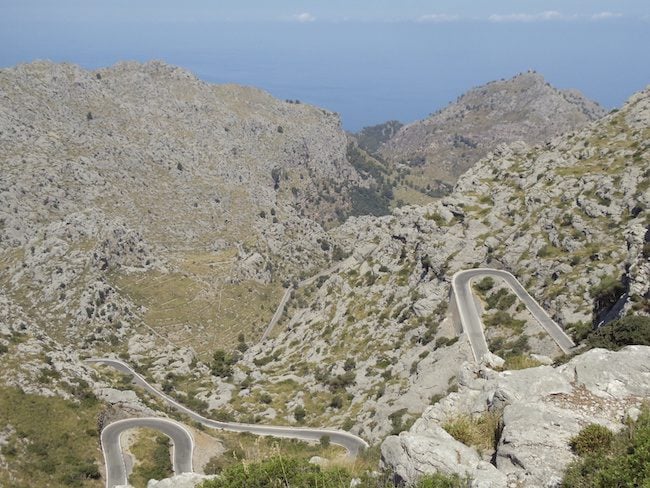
{"points": [[369, 347], [371, 138], [138, 196], [524, 108], [147, 215]]}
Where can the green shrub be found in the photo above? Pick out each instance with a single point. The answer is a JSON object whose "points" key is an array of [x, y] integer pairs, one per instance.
{"points": [[580, 330], [633, 329], [398, 423], [222, 363], [278, 472], [501, 300], [299, 414], [504, 319], [439, 480], [607, 292], [482, 432], [506, 301], [349, 364], [485, 284], [548, 251], [336, 402], [437, 218], [592, 439], [436, 398], [155, 464], [217, 463], [623, 462], [342, 381]]}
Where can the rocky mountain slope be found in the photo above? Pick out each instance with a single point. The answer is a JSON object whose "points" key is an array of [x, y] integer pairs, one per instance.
{"points": [[369, 346], [141, 173], [524, 108], [139, 208], [147, 215]]}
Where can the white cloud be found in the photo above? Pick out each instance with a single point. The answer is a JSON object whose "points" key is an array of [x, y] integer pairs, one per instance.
{"points": [[606, 16], [538, 17], [439, 18], [304, 17]]}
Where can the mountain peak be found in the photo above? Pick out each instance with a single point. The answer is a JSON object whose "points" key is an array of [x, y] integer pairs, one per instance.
{"points": [[525, 107]]}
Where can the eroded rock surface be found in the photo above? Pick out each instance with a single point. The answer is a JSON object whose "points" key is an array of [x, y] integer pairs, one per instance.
{"points": [[542, 409]]}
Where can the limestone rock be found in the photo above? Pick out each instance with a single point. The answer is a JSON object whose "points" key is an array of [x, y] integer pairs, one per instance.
{"points": [[411, 456], [542, 409], [185, 480]]}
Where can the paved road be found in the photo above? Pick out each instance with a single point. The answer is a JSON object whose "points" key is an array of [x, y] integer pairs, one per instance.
{"points": [[462, 299], [350, 442], [471, 318], [287, 295], [278, 313], [183, 446]]}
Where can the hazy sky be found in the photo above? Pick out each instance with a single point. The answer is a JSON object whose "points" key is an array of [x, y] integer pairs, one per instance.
{"points": [[370, 60], [324, 10]]}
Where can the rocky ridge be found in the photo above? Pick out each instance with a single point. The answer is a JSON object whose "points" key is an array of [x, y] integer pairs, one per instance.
{"points": [[523, 108], [569, 218]]}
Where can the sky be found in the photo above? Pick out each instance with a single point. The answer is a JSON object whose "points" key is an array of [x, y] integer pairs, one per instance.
{"points": [[369, 60]]}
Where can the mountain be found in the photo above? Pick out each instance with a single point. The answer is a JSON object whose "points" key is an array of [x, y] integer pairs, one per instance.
{"points": [[524, 108], [143, 173], [149, 216], [371, 138], [374, 342]]}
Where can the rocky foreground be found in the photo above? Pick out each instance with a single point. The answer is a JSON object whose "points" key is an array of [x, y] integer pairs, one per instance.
{"points": [[540, 410]]}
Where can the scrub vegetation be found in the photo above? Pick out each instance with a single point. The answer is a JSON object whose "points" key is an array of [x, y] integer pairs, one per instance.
{"points": [[49, 441]]}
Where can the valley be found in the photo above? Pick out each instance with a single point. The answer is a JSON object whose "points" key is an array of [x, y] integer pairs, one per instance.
{"points": [[228, 261]]}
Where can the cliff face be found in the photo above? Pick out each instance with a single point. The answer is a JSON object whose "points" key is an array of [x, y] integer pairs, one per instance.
{"points": [[524, 108]]}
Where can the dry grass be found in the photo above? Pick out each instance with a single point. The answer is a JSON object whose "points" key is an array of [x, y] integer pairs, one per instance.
{"points": [[251, 448], [481, 432], [520, 361], [152, 457], [196, 306]]}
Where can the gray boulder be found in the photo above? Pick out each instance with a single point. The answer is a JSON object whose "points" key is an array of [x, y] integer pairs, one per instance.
{"points": [[411, 456]]}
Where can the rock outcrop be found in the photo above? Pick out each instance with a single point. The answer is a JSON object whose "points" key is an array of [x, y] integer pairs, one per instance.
{"points": [[542, 408], [186, 480]]}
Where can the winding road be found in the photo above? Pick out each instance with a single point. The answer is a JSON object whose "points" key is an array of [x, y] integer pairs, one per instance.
{"points": [[352, 443], [470, 318], [463, 305], [183, 445]]}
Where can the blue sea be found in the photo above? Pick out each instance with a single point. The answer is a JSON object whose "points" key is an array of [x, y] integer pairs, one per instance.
{"points": [[367, 72]]}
